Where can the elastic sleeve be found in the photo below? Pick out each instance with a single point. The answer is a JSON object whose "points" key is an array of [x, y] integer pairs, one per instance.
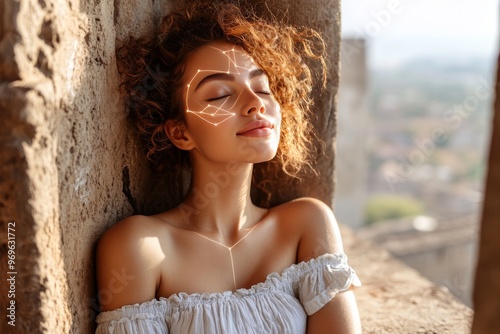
{"points": [[327, 276], [133, 319]]}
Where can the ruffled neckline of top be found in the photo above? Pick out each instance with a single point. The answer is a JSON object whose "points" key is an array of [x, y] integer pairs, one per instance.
{"points": [[273, 281]]}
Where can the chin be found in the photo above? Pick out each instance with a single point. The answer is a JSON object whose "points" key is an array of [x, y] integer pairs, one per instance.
{"points": [[257, 151], [264, 156]]}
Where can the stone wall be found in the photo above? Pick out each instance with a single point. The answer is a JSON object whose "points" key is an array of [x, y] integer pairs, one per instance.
{"points": [[69, 165], [397, 299], [446, 255], [487, 285]]}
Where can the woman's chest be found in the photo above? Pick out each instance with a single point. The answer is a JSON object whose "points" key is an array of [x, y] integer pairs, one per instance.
{"points": [[200, 265]]}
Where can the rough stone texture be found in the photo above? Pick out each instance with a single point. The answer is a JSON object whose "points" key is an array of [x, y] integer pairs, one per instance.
{"points": [[397, 299], [446, 255], [68, 165], [487, 285]]}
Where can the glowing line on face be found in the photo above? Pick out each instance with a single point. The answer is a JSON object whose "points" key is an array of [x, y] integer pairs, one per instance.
{"points": [[219, 111]]}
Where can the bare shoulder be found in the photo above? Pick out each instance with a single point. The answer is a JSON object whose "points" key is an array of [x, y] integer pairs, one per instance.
{"points": [[319, 234], [316, 225], [127, 256]]}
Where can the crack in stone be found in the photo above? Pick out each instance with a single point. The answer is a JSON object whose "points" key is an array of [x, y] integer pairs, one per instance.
{"points": [[126, 189]]}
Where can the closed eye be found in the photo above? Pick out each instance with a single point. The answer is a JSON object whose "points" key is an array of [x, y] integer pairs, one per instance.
{"points": [[217, 98], [264, 93]]}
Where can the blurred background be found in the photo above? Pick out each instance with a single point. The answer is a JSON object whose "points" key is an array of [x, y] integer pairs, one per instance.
{"points": [[415, 108]]}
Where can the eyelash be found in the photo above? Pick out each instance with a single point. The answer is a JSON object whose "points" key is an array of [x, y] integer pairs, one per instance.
{"points": [[224, 96], [217, 98]]}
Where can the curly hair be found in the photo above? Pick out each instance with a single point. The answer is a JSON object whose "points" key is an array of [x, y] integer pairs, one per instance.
{"points": [[152, 69]]}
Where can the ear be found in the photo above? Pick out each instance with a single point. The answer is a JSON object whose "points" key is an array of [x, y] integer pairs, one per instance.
{"points": [[179, 135]]}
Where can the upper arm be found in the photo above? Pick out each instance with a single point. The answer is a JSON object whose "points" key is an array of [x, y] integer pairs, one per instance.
{"points": [[126, 269], [320, 234], [339, 315]]}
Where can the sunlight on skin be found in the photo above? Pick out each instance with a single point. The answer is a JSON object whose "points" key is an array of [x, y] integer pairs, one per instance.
{"points": [[208, 114]]}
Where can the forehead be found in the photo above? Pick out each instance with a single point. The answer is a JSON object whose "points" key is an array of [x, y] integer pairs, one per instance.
{"points": [[219, 57]]}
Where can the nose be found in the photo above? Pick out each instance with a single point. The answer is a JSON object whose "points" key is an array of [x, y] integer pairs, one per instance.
{"points": [[254, 103]]}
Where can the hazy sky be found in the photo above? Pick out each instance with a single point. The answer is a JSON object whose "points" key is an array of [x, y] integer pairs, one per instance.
{"points": [[400, 29]]}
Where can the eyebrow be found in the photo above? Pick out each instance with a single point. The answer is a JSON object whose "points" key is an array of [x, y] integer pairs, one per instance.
{"points": [[227, 77]]}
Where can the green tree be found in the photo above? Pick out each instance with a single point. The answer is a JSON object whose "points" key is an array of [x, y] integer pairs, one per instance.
{"points": [[385, 207]]}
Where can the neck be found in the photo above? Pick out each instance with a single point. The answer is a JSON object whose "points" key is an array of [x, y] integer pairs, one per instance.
{"points": [[218, 200]]}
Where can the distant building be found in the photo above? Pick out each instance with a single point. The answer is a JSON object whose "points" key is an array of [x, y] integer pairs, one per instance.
{"points": [[352, 135]]}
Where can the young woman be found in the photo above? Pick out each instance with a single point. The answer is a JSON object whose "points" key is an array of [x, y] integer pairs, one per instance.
{"points": [[225, 90]]}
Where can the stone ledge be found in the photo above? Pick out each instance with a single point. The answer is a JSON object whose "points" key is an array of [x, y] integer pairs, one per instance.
{"points": [[397, 299]]}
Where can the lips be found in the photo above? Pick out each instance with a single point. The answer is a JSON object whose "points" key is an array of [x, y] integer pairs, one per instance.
{"points": [[257, 129]]}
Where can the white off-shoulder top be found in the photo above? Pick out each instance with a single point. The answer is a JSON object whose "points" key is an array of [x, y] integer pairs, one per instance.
{"points": [[280, 304]]}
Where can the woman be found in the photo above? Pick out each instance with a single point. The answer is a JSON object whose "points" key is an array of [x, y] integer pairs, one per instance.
{"points": [[225, 90]]}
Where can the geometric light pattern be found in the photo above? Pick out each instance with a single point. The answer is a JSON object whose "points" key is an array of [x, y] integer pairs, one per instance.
{"points": [[215, 115]]}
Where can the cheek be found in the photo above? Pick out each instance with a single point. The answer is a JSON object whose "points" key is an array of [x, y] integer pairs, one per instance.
{"points": [[198, 127], [273, 109], [211, 114], [204, 131]]}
